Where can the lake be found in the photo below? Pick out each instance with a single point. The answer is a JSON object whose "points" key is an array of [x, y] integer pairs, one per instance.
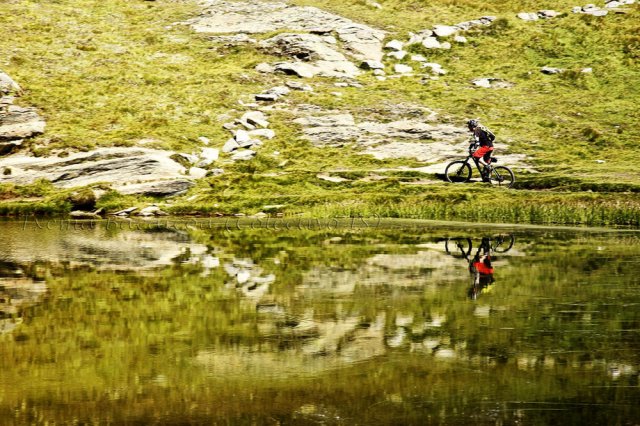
{"points": [[327, 322]]}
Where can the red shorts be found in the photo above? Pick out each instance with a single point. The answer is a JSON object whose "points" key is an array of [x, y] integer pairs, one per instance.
{"points": [[483, 152]]}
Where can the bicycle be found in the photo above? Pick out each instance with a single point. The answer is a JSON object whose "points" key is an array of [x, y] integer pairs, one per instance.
{"points": [[459, 171]]}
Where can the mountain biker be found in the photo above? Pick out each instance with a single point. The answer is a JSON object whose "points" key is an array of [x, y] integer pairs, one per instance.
{"points": [[484, 137]]}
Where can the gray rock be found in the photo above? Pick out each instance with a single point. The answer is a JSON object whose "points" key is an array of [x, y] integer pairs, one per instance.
{"points": [[322, 57], [279, 90], [265, 68], [8, 85], [431, 43], [445, 30], [372, 65], [255, 118], [168, 188], [399, 55], [116, 166], [262, 133], [297, 85], [395, 45], [546, 13], [551, 70], [528, 16], [402, 69], [241, 136], [243, 155], [254, 16], [230, 145], [20, 123], [80, 214], [300, 69], [197, 172]]}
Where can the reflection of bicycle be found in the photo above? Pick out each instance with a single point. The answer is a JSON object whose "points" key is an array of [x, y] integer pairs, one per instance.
{"points": [[459, 171], [462, 246]]}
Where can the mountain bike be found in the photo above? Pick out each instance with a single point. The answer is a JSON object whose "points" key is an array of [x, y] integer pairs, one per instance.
{"points": [[459, 171]]}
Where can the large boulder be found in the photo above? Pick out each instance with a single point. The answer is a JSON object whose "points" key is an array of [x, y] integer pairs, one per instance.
{"points": [[128, 170], [20, 123]]}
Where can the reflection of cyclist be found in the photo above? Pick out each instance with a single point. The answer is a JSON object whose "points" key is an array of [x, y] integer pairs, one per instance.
{"points": [[481, 269]]}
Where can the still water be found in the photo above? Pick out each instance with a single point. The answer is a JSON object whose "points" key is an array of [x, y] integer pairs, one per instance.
{"points": [[310, 322]]}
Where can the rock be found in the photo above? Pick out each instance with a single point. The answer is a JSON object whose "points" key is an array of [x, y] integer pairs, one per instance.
{"points": [[230, 145], [168, 188], [372, 65], [445, 30], [279, 90], [262, 133], [551, 70], [399, 55], [418, 58], [586, 70], [527, 16], [435, 68], [301, 69], [255, 118], [241, 136], [546, 13], [197, 172], [232, 40], [596, 12], [208, 156], [116, 166], [152, 210], [125, 212], [254, 16], [205, 140], [265, 68], [395, 45], [296, 85], [243, 155], [460, 39], [79, 214], [431, 43], [402, 69], [20, 123], [8, 85], [334, 179]]}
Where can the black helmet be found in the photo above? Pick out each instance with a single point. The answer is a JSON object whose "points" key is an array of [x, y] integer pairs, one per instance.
{"points": [[472, 124]]}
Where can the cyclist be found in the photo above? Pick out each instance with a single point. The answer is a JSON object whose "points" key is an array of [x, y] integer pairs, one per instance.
{"points": [[483, 137]]}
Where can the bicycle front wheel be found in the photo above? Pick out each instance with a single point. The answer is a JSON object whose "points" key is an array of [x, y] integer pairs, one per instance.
{"points": [[502, 176], [458, 172]]}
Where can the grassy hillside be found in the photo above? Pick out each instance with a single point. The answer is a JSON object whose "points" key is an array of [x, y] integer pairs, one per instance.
{"points": [[114, 73]]}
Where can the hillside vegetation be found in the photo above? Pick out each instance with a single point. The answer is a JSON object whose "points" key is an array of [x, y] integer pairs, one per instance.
{"points": [[114, 73]]}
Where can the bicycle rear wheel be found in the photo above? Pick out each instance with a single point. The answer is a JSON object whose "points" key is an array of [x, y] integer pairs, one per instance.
{"points": [[502, 176], [458, 172]]}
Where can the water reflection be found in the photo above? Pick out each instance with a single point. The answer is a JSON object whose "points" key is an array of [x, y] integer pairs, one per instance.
{"points": [[357, 326], [481, 264]]}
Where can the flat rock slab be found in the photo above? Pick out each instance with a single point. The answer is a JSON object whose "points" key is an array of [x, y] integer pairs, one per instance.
{"points": [[20, 123], [123, 168], [253, 16]]}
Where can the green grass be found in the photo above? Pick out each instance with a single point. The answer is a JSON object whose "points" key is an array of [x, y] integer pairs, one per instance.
{"points": [[114, 73]]}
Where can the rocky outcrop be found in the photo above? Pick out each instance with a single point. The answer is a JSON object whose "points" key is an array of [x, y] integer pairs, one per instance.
{"points": [[20, 123], [253, 16], [16, 123], [128, 170]]}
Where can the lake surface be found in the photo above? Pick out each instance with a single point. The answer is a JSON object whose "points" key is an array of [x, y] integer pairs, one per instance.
{"points": [[357, 322]]}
